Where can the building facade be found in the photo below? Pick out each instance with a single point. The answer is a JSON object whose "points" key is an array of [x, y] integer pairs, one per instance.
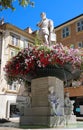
{"points": [[69, 34], [12, 40]]}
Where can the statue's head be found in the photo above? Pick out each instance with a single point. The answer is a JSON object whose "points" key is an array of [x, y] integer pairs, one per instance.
{"points": [[51, 89], [43, 15]]}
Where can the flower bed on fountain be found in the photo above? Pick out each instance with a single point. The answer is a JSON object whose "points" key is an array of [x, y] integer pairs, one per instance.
{"points": [[40, 61]]}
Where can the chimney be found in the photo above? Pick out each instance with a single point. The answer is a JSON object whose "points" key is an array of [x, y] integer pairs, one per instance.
{"points": [[28, 30]]}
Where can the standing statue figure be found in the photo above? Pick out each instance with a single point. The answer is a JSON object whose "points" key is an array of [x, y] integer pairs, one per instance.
{"points": [[54, 101], [46, 32], [67, 104], [68, 108]]}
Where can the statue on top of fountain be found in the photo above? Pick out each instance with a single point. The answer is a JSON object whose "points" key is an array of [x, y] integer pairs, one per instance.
{"points": [[46, 31]]}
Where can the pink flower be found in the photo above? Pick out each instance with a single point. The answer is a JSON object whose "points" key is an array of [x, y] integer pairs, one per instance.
{"points": [[29, 59]]}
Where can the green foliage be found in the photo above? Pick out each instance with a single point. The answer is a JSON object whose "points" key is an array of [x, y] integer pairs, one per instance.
{"points": [[25, 3], [37, 40], [45, 49], [5, 4]]}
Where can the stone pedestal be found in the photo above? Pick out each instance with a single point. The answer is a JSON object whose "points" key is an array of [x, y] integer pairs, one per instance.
{"points": [[40, 111], [70, 119]]}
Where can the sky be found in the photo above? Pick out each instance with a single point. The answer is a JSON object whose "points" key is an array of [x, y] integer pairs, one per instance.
{"points": [[59, 11]]}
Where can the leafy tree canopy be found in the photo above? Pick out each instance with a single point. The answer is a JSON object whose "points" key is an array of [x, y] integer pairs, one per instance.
{"points": [[5, 4]]}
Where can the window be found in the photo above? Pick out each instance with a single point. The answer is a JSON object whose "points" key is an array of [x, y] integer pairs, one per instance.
{"points": [[21, 44], [13, 86], [25, 44], [80, 45], [12, 53], [15, 40], [65, 32], [80, 25]]}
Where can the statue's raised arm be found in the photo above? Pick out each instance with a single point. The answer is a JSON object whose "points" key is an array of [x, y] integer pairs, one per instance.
{"points": [[46, 31]]}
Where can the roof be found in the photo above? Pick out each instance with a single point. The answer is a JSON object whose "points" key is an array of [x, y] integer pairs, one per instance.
{"points": [[16, 29], [69, 21]]}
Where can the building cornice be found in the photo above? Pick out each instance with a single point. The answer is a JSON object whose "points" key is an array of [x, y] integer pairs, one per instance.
{"points": [[73, 20], [7, 26]]}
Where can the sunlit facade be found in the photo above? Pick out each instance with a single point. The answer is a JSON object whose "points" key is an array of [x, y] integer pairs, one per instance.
{"points": [[69, 34], [12, 40]]}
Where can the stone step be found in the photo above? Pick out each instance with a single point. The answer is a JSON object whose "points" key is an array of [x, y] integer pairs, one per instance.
{"points": [[34, 111], [34, 120]]}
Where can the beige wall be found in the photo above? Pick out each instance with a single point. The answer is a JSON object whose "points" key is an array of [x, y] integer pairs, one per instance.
{"points": [[6, 48]]}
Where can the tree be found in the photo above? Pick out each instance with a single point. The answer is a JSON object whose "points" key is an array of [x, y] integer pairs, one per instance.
{"points": [[5, 4]]}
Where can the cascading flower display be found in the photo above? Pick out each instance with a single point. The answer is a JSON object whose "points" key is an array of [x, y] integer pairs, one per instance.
{"points": [[26, 62]]}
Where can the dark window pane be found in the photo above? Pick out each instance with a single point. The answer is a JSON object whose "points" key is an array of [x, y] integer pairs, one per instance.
{"points": [[79, 29], [63, 35], [67, 34], [63, 30], [78, 24], [82, 22], [67, 29], [79, 44], [82, 27]]}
